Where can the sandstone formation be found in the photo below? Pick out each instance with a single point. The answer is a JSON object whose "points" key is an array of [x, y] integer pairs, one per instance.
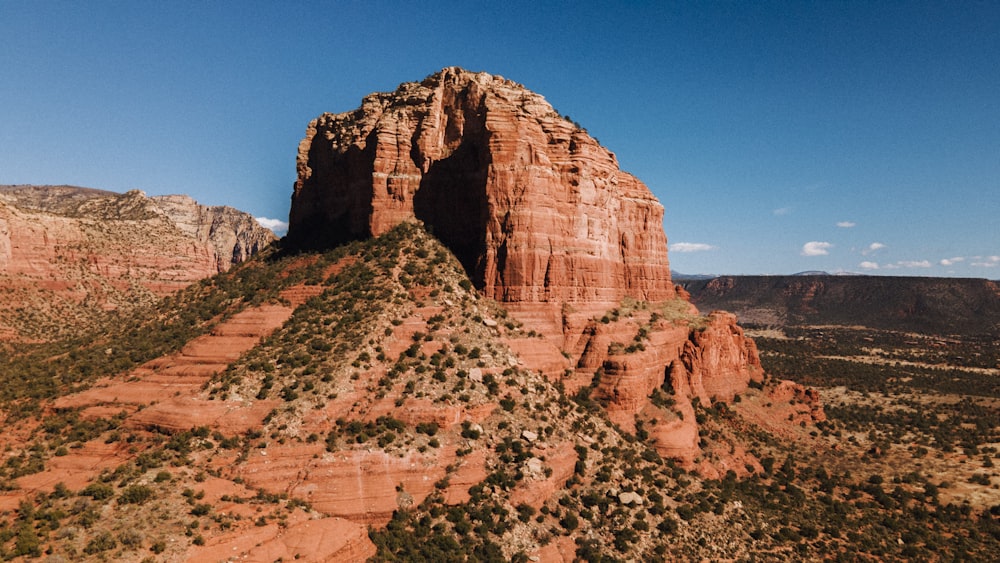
{"points": [[68, 252], [534, 208], [375, 391], [719, 360], [641, 354], [542, 219], [309, 540], [168, 386], [234, 235]]}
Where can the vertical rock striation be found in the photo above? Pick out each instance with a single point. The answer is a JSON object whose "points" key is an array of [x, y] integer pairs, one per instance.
{"points": [[542, 218], [535, 209]]}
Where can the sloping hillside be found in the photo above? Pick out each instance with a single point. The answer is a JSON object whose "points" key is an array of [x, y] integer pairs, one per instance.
{"points": [[366, 401]]}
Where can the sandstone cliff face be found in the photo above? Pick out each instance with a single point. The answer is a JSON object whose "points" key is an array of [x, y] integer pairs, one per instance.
{"points": [[68, 252], [234, 236], [719, 360], [534, 208], [541, 218]]}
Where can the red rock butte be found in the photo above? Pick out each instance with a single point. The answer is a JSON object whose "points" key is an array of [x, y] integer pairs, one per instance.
{"points": [[536, 210], [542, 219]]}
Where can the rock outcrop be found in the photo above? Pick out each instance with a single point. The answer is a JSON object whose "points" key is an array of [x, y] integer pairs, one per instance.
{"points": [[719, 360], [67, 252], [541, 218], [234, 235], [534, 208]]}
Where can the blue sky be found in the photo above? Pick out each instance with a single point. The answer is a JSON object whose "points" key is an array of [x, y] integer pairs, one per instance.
{"points": [[779, 136]]}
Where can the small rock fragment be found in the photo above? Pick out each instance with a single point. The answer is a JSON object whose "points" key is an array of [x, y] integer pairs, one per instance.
{"points": [[630, 498], [535, 465]]}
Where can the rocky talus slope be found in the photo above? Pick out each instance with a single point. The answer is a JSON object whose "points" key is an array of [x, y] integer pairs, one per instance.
{"points": [[67, 253]]}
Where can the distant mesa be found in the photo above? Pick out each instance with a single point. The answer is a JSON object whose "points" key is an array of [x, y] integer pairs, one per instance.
{"points": [[678, 276], [903, 303]]}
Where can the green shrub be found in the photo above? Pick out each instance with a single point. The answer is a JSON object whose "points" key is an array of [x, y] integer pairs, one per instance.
{"points": [[27, 542], [570, 522], [135, 494], [102, 542], [98, 491], [429, 428]]}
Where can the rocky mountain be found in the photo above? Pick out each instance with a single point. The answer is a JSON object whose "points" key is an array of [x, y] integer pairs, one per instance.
{"points": [[942, 306], [67, 253], [533, 207], [542, 219], [469, 348], [289, 404]]}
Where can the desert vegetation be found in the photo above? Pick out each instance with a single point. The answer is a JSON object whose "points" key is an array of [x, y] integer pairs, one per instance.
{"points": [[392, 338]]}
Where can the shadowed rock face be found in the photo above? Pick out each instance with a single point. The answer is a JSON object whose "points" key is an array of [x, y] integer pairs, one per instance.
{"points": [[534, 208]]}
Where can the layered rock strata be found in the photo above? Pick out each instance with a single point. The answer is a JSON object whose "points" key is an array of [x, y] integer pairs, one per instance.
{"points": [[66, 252], [542, 218], [535, 209]]}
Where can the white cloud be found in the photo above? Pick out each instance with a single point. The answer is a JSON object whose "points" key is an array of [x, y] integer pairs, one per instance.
{"points": [[691, 247], [277, 226], [873, 247], [846, 224], [816, 248], [988, 262], [866, 265], [952, 261], [782, 211], [908, 264]]}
